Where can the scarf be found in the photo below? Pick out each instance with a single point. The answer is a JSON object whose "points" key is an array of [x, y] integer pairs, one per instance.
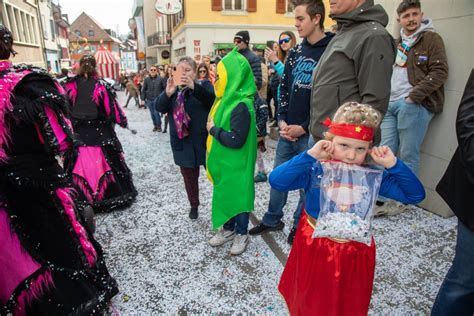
{"points": [[408, 41], [180, 117]]}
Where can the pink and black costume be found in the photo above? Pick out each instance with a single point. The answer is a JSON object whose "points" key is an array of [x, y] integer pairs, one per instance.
{"points": [[98, 167], [49, 262]]}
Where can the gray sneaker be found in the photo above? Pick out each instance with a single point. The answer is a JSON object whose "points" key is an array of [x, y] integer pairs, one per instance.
{"points": [[239, 245], [391, 208], [221, 237]]}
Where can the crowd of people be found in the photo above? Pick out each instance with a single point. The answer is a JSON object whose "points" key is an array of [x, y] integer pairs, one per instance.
{"points": [[352, 107]]}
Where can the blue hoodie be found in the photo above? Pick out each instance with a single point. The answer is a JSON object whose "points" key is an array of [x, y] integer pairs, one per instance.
{"points": [[295, 88]]}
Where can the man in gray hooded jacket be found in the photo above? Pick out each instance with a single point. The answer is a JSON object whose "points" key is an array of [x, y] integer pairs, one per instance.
{"points": [[357, 63]]}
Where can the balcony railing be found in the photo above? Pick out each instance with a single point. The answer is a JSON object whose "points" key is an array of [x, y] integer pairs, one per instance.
{"points": [[159, 38]]}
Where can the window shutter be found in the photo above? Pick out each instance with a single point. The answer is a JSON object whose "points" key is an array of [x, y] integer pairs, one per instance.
{"points": [[216, 5], [280, 6], [251, 5]]}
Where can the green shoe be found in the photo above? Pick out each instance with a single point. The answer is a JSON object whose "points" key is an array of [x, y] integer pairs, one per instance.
{"points": [[260, 177]]}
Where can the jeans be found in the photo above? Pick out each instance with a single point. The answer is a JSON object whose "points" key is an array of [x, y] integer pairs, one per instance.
{"points": [[239, 223], [285, 151], [403, 130], [456, 295], [155, 115]]}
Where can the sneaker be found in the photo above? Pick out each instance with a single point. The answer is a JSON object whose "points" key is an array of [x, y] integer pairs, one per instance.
{"points": [[164, 131], [291, 236], [390, 208], [158, 129], [261, 228], [193, 213], [239, 245], [221, 237], [155, 129], [260, 177]]}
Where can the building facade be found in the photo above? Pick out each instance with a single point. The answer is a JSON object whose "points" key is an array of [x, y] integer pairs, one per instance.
{"points": [[205, 27], [22, 18], [87, 35]]}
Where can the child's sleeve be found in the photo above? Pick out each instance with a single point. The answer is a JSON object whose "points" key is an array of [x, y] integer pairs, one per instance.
{"points": [[293, 174], [239, 128], [401, 184]]}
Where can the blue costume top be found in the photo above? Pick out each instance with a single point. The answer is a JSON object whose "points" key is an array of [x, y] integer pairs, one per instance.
{"points": [[305, 172]]}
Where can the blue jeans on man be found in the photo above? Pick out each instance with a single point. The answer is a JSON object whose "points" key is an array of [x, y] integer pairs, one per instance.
{"points": [[403, 130], [285, 151], [155, 115], [239, 223], [456, 295]]}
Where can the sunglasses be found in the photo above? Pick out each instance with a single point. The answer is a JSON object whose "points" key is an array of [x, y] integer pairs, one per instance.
{"points": [[203, 71], [237, 40], [284, 40], [152, 69]]}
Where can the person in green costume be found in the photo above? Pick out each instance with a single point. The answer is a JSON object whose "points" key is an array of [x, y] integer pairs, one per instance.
{"points": [[231, 151]]}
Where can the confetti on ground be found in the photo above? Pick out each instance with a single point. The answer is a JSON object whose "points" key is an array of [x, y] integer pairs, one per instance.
{"points": [[163, 263]]}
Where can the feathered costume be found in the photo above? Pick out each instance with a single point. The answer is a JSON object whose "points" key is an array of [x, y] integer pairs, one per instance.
{"points": [[49, 263], [98, 168], [231, 169]]}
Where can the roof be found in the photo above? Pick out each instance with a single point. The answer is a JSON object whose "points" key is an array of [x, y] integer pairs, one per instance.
{"points": [[85, 23]]}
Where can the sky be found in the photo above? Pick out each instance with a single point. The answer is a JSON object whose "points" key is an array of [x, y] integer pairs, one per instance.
{"points": [[109, 13]]}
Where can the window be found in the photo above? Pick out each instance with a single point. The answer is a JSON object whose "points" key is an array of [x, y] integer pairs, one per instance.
{"points": [[289, 6], [234, 5], [53, 29], [178, 17], [78, 33], [90, 33], [22, 24]]}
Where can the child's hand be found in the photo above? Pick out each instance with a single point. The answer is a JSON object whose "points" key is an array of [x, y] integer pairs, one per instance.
{"points": [[383, 156], [209, 125], [322, 149]]}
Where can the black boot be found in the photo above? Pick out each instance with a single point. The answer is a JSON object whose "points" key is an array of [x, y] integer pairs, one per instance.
{"points": [[193, 213]]}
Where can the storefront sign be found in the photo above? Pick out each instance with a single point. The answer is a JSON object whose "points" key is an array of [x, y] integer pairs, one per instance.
{"points": [[168, 6]]}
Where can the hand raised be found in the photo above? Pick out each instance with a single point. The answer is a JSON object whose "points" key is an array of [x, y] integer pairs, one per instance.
{"points": [[383, 156], [322, 149], [170, 87]]}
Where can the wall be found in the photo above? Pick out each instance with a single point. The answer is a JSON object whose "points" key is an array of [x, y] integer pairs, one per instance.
{"points": [[199, 11], [454, 21]]}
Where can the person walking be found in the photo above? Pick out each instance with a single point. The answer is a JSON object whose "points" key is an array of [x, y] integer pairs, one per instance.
{"points": [[187, 103], [98, 165], [132, 91], [153, 85], [50, 264]]}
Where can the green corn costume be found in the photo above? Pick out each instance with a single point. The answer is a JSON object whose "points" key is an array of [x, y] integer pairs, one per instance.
{"points": [[231, 170]]}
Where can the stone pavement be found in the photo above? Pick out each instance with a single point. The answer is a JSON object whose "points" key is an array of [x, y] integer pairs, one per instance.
{"points": [[163, 263]]}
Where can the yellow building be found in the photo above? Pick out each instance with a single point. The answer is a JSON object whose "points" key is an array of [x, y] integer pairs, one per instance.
{"points": [[205, 26]]}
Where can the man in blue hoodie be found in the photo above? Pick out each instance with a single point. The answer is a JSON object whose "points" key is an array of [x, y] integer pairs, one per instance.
{"points": [[294, 109]]}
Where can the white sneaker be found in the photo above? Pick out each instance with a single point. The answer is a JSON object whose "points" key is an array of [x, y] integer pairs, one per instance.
{"points": [[239, 245], [221, 237], [390, 208]]}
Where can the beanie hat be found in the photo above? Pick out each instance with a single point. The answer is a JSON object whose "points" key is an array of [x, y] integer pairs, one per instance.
{"points": [[243, 35]]}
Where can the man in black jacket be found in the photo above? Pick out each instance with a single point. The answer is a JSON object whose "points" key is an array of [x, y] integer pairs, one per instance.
{"points": [[152, 88], [242, 40], [456, 295]]}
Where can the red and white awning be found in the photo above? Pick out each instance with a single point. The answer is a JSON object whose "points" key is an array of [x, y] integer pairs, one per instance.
{"points": [[107, 66]]}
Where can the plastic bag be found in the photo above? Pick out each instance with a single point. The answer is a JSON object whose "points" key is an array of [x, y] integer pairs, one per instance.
{"points": [[347, 198]]}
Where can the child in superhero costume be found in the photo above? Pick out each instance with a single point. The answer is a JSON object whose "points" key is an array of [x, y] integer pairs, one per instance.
{"points": [[333, 276]]}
